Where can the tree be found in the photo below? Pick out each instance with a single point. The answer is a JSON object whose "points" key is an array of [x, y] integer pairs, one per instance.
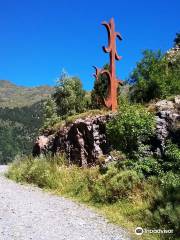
{"points": [[18, 130], [154, 77], [50, 113], [69, 96], [177, 40], [100, 89]]}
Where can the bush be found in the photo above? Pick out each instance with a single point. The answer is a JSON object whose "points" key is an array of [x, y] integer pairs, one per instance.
{"points": [[131, 127], [147, 167], [36, 171], [114, 185], [19, 169], [53, 173], [169, 180], [171, 160], [164, 212]]}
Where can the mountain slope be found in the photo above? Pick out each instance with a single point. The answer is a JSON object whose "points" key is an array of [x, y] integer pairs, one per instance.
{"points": [[21, 116], [12, 95]]}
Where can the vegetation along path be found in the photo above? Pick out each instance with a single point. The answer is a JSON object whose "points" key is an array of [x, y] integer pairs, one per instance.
{"points": [[27, 213]]}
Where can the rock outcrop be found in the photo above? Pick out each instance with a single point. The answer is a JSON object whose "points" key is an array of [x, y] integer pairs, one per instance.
{"points": [[167, 122], [83, 141]]}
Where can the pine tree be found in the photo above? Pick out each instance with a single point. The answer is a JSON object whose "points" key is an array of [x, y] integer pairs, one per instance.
{"points": [[50, 113]]}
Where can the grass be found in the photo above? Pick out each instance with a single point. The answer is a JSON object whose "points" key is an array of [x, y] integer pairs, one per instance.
{"points": [[71, 119], [81, 184], [89, 113]]}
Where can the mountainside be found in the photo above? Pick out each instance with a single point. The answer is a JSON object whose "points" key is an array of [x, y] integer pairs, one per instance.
{"points": [[12, 95], [21, 116]]}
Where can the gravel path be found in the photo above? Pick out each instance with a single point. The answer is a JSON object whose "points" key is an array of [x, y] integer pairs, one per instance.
{"points": [[29, 213]]}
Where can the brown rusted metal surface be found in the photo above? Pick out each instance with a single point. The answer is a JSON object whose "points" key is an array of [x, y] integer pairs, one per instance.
{"points": [[111, 100]]}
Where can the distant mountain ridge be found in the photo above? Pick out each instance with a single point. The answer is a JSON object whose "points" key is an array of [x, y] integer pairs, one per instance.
{"points": [[12, 95], [21, 116], [6, 83]]}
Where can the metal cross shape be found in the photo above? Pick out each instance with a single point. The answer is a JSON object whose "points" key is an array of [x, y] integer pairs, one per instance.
{"points": [[111, 100]]}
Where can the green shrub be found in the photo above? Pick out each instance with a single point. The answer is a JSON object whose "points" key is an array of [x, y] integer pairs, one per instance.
{"points": [[19, 169], [170, 179], [148, 167], [43, 174], [164, 212], [131, 127], [39, 171], [114, 185], [171, 158]]}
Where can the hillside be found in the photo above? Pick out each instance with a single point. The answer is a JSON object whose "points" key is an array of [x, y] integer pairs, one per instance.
{"points": [[12, 95], [21, 117]]}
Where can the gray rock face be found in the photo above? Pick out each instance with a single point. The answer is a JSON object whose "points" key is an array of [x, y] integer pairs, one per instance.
{"points": [[168, 121], [83, 141]]}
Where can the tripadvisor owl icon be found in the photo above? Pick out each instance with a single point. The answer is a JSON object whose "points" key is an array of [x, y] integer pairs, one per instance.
{"points": [[139, 231]]}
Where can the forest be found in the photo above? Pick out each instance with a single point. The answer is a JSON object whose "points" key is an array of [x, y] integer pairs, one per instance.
{"points": [[21, 116], [18, 130]]}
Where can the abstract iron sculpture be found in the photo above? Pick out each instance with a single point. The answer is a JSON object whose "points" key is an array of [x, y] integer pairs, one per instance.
{"points": [[111, 100]]}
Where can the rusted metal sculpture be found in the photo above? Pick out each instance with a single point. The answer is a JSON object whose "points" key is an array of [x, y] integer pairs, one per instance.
{"points": [[111, 100]]}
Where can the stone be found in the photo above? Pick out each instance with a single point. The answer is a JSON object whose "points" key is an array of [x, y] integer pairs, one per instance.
{"points": [[164, 105], [41, 145], [177, 100], [167, 123], [83, 141]]}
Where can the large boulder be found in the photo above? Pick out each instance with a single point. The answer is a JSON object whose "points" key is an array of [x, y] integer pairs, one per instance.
{"points": [[167, 122], [40, 145], [83, 141]]}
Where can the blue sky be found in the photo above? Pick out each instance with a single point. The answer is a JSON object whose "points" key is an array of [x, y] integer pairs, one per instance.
{"points": [[38, 38]]}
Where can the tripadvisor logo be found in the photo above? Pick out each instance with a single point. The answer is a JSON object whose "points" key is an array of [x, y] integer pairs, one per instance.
{"points": [[139, 231]]}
